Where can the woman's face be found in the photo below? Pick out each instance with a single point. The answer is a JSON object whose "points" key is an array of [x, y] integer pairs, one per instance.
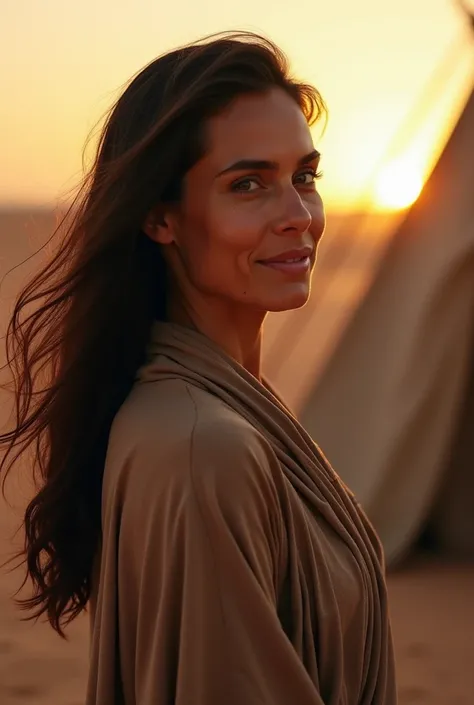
{"points": [[247, 227]]}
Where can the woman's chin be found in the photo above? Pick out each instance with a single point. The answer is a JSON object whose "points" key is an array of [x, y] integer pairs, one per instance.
{"points": [[289, 300]]}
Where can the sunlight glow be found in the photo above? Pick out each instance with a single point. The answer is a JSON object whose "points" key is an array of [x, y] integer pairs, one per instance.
{"points": [[398, 185]]}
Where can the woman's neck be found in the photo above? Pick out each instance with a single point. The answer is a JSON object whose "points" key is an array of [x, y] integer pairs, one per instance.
{"points": [[237, 332]]}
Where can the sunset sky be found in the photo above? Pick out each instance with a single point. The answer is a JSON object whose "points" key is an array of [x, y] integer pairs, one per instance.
{"points": [[63, 62]]}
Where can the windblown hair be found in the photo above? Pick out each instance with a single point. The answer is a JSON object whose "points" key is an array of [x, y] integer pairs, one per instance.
{"points": [[79, 329]]}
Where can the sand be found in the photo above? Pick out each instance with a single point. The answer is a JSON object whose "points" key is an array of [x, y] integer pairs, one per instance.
{"points": [[433, 623]]}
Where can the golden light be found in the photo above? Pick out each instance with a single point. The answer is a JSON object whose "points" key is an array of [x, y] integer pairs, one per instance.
{"points": [[398, 185]]}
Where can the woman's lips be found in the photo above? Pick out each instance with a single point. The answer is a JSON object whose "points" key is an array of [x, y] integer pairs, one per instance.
{"points": [[296, 261], [289, 266]]}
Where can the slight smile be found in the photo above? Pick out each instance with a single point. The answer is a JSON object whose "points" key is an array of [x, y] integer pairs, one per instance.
{"points": [[291, 261]]}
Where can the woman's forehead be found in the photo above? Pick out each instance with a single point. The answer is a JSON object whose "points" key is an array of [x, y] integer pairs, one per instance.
{"points": [[267, 127]]}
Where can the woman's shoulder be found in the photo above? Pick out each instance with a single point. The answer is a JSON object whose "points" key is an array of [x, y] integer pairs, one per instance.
{"points": [[174, 410], [177, 429]]}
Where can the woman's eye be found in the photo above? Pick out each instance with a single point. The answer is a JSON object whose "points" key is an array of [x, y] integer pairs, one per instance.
{"points": [[245, 185], [308, 177]]}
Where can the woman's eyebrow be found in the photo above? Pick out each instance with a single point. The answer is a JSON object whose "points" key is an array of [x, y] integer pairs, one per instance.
{"points": [[264, 164]]}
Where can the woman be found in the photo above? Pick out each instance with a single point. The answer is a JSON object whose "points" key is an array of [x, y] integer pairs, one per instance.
{"points": [[224, 561]]}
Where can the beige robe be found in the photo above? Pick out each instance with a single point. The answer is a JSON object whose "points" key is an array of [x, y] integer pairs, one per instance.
{"points": [[236, 569]]}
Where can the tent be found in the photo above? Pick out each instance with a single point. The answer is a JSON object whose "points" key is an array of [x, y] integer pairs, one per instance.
{"points": [[386, 387]]}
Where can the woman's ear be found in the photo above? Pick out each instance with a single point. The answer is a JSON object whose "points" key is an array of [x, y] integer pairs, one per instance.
{"points": [[159, 225]]}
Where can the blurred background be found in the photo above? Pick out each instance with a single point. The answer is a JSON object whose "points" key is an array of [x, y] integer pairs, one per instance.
{"points": [[380, 364]]}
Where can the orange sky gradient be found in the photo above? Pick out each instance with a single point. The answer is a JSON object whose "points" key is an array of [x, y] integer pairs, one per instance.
{"points": [[63, 63]]}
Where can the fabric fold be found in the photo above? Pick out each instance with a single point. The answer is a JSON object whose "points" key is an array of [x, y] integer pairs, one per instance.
{"points": [[216, 502]]}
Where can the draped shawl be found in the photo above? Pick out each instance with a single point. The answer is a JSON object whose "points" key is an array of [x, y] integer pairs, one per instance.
{"points": [[235, 567]]}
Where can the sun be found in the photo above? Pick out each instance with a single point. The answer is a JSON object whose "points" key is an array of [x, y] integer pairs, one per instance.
{"points": [[398, 185]]}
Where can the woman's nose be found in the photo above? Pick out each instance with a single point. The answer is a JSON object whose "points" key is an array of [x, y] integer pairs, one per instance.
{"points": [[293, 214]]}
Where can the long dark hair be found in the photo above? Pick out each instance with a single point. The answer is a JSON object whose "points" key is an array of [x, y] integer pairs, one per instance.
{"points": [[79, 329]]}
